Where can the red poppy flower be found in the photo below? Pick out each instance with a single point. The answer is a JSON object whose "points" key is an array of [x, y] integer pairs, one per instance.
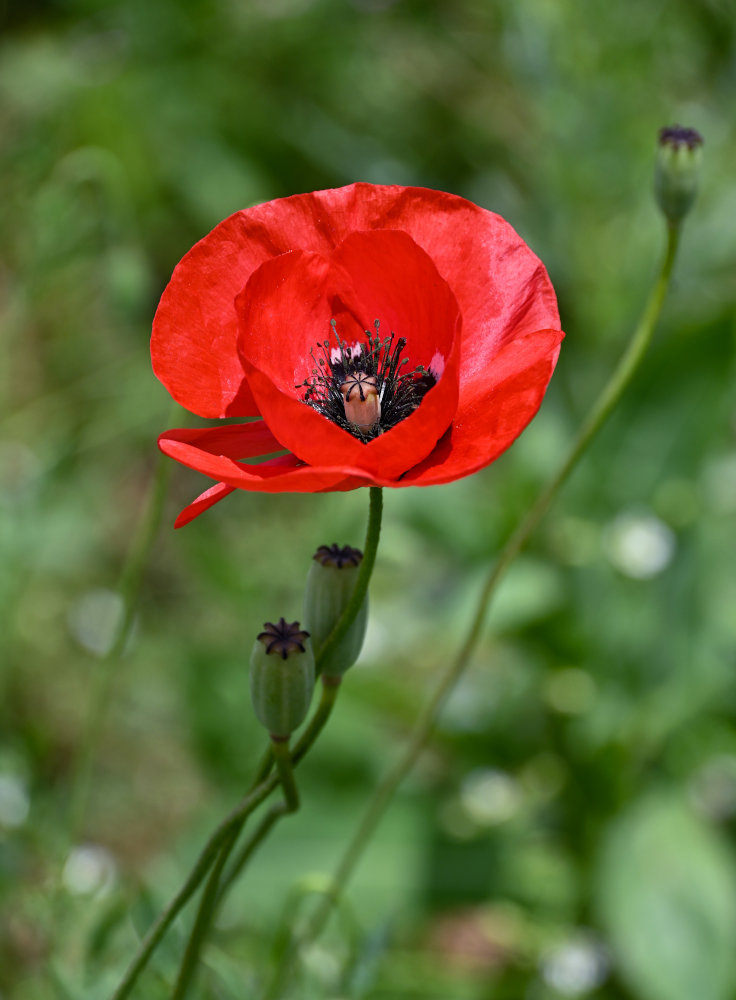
{"points": [[383, 335]]}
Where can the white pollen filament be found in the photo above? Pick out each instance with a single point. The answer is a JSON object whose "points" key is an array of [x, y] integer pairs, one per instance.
{"points": [[336, 353], [437, 365]]}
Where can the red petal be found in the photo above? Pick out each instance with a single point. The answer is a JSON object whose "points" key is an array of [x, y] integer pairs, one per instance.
{"points": [[194, 338], [489, 420], [285, 311], [232, 440], [203, 502], [501, 287], [277, 475]]}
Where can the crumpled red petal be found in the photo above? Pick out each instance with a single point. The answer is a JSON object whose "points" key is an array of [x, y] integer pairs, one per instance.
{"points": [[501, 286], [285, 310], [437, 269], [489, 421], [216, 452]]}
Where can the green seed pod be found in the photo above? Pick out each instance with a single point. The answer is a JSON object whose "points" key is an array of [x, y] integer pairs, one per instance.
{"points": [[677, 170], [330, 583], [282, 677]]}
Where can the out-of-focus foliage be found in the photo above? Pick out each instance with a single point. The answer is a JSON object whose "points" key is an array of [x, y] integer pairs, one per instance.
{"points": [[570, 830]]}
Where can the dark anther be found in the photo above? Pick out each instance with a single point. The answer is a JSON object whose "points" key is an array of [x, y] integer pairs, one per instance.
{"points": [[375, 368], [283, 638], [337, 556]]}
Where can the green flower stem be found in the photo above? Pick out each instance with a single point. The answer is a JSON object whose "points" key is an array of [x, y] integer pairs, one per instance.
{"points": [[216, 887], [423, 726], [286, 773], [223, 839], [204, 862], [207, 908], [225, 834], [330, 688], [373, 533]]}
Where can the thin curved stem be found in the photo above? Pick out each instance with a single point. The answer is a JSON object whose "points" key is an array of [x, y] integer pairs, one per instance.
{"points": [[233, 823], [372, 536], [206, 912], [330, 687], [424, 724], [216, 886], [223, 839], [204, 862], [285, 767]]}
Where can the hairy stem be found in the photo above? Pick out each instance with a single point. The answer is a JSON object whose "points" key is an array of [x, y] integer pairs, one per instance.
{"points": [[372, 536], [208, 906], [206, 859], [319, 719], [222, 841]]}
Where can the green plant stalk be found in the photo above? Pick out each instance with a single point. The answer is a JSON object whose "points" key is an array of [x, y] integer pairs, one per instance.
{"points": [[215, 845], [204, 862], [329, 693], [213, 892], [209, 853], [207, 908], [318, 721], [372, 536], [424, 724], [370, 548]]}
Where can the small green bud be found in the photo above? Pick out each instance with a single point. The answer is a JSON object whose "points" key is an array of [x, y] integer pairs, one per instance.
{"points": [[282, 677], [330, 583], [677, 170]]}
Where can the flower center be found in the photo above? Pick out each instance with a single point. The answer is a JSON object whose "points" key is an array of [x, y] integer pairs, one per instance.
{"points": [[366, 389]]}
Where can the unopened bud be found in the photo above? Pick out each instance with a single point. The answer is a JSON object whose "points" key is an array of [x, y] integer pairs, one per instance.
{"points": [[282, 677], [360, 398], [330, 584], [677, 170]]}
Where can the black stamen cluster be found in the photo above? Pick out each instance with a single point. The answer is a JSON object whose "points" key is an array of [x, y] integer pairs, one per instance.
{"points": [[400, 391]]}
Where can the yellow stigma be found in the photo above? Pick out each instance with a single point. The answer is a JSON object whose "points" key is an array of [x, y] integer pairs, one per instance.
{"points": [[360, 397]]}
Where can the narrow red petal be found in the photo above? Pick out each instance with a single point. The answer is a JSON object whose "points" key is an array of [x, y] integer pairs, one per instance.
{"points": [[249, 440], [283, 474], [203, 502]]}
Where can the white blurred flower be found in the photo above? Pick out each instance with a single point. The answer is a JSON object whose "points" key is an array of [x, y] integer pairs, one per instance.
{"points": [[14, 801], [490, 797], [639, 544], [577, 966], [89, 870], [94, 619]]}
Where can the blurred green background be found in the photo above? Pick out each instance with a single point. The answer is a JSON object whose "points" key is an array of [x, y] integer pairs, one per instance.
{"points": [[570, 831]]}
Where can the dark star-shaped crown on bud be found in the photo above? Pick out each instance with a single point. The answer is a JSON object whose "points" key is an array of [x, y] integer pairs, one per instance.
{"points": [[283, 638], [679, 135], [337, 556]]}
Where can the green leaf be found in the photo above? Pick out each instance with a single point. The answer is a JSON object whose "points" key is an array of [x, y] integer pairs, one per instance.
{"points": [[666, 891]]}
